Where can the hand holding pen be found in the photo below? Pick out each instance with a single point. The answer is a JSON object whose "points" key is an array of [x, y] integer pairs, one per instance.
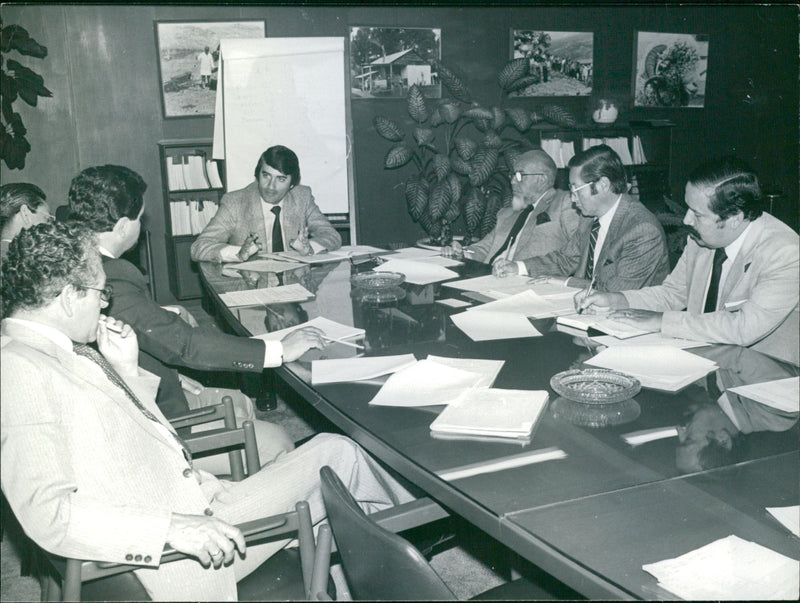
{"points": [[250, 246]]}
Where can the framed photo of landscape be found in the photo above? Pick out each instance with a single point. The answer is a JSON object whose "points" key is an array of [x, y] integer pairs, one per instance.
{"points": [[188, 62], [386, 61], [561, 62], [670, 69]]}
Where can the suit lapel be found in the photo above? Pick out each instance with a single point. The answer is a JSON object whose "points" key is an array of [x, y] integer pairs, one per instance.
{"points": [[613, 231], [254, 215], [743, 259]]}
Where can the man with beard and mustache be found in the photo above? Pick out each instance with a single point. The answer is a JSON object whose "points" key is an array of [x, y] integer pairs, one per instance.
{"points": [[737, 280]]}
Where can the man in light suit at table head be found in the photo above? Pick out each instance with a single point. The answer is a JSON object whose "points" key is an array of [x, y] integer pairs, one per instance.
{"points": [[622, 245], [737, 280], [541, 218], [93, 470]]}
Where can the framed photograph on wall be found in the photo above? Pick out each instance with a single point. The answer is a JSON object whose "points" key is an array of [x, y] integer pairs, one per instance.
{"points": [[670, 69], [561, 62], [188, 62], [386, 61]]}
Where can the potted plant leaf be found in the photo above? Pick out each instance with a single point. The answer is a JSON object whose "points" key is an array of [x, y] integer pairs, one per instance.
{"points": [[461, 153]]}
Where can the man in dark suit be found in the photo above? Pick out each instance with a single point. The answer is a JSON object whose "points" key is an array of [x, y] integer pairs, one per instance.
{"points": [[109, 200], [622, 247]]}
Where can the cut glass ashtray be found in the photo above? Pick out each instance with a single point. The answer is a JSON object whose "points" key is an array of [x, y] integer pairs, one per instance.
{"points": [[595, 386], [372, 281]]}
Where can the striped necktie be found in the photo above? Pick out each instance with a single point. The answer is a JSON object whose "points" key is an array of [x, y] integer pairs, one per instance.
{"points": [[89, 352], [592, 244]]}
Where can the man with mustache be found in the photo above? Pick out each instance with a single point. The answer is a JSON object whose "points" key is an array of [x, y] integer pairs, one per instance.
{"points": [[737, 280]]}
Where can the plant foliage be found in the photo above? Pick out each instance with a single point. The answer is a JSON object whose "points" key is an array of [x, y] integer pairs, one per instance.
{"points": [[460, 152], [17, 81]]}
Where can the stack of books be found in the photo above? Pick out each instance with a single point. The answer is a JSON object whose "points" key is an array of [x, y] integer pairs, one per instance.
{"points": [[192, 172]]}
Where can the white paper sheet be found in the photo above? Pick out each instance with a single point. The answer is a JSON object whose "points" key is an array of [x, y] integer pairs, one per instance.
{"points": [[438, 260], [635, 438], [599, 322], [648, 339], [426, 383], [730, 569], [417, 273], [509, 284], [341, 370], [657, 367], [783, 394], [509, 462], [453, 303], [789, 517], [528, 303], [487, 369], [484, 326], [268, 295], [332, 329], [265, 265], [353, 251], [413, 253], [492, 412]]}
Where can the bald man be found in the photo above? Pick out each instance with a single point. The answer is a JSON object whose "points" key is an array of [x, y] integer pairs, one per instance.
{"points": [[541, 218]]}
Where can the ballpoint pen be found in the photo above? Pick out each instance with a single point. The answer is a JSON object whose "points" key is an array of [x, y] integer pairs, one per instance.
{"points": [[588, 292], [343, 342]]}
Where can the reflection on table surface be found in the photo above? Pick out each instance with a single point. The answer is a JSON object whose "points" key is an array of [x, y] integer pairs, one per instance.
{"points": [[708, 438]]}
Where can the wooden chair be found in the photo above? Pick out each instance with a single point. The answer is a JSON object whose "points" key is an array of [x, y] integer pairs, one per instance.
{"points": [[380, 565]]}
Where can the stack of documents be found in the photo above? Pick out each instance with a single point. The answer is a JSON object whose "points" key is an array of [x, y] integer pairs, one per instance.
{"points": [[656, 367], [505, 413], [283, 294], [436, 380], [416, 272], [600, 323], [783, 394], [341, 370], [729, 569], [529, 304]]}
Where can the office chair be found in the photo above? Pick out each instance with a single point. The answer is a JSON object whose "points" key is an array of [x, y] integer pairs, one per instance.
{"points": [[380, 565]]}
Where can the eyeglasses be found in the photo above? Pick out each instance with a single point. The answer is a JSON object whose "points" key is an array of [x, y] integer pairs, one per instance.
{"points": [[518, 175], [105, 293], [574, 189]]}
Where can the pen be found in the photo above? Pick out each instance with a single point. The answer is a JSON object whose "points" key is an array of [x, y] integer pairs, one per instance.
{"points": [[588, 292], [349, 343]]}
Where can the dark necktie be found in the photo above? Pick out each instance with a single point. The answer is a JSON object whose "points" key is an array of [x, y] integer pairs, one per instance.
{"points": [[592, 244], [277, 235], [89, 352], [713, 286], [512, 234]]}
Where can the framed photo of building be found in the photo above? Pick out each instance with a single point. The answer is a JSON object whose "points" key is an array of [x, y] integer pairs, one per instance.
{"points": [[386, 61], [670, 69], [561, 62], [188, 62]]}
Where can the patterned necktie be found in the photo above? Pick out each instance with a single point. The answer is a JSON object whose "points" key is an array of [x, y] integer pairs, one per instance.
{"points": [[277, 235], [713, 287], [512, 234], [89, 352], [592, 244]]}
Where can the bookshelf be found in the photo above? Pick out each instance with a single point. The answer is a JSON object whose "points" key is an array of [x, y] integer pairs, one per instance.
{"points": [[645, 147], [192, 186]]}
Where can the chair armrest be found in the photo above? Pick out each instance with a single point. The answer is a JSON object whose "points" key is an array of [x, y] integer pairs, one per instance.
{"points": [[200, 415]]}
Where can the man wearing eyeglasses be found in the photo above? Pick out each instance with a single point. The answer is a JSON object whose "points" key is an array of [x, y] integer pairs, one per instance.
{"points": [[541, 218], [622, 246]]}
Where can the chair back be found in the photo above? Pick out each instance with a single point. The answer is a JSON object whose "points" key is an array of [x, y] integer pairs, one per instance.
{"points": [[378, 564]]}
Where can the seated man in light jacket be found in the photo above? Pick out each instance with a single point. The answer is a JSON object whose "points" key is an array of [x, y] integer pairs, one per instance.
{"points": [[752, 300], [273, 213], [541, 218]]}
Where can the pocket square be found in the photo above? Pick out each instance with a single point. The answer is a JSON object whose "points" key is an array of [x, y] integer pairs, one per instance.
{"points": [[542, 218]]}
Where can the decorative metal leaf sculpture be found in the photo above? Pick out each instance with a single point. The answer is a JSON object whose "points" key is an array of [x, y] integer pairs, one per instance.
{"points": [[398, 156], [512, 71], [559, 116], [466, 147], [479, 113], [423, 136], [441, 166], [416, 105], [524, 82], [499, 118], [388, 129], [482, 165], [474, 206], [453, 83], [416, 192], [519, 118], [438, 200], [450, 111]]}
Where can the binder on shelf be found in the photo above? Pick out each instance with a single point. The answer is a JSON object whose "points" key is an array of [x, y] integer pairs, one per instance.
{"points": [[212, 171], [190, 217]]}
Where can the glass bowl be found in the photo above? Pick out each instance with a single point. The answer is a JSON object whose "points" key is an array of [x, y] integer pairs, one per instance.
{"points": [[595, 386], [375, 281]]}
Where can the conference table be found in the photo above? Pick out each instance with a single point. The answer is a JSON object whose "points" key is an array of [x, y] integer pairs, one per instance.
{"points": [[592, 518]]}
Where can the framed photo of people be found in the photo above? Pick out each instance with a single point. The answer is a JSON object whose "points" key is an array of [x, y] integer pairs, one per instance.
{"points": [[386, 61], [188, 62], [670, 69], [561, 62]]}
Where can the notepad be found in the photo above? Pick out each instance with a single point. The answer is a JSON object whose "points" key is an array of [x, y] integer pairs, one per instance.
{"points": [[600, 323], [268, 295], [729, 569], [783, 394], [492, 412]]}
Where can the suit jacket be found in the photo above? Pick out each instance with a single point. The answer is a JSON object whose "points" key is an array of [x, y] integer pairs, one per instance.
{"points": [[758, 301], [240, 214], [634, 253], [557, 223], [87, 474]]}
